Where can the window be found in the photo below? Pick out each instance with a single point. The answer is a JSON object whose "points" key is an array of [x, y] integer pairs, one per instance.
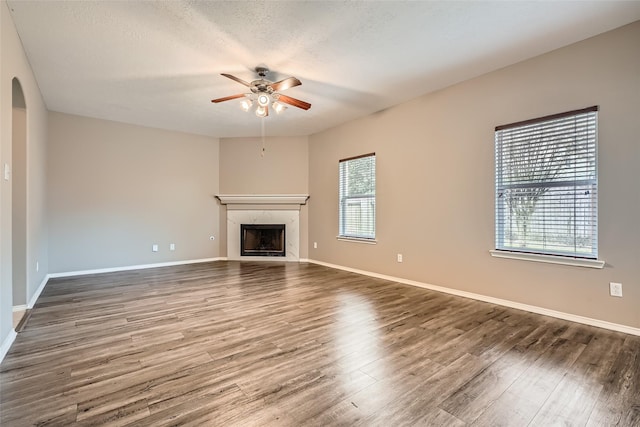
{"points": [[546, 185], [358, 197]]}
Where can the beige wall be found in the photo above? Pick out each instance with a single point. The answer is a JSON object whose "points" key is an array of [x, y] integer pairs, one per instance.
{"points": [[19, 205], [435, 175], [283, 169], [114, 190], [14, 64]]}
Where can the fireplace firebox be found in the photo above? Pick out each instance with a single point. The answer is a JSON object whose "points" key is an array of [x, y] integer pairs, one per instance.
{"points": [[262, 240]]}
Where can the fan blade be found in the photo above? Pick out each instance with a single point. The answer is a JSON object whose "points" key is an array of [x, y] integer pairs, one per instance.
{"points": [[227, 98], [242, 82], [294, 102], [285, 84]]}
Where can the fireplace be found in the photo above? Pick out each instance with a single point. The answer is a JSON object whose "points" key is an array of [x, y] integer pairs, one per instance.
{"points": [[264, 209], [262, 240]]}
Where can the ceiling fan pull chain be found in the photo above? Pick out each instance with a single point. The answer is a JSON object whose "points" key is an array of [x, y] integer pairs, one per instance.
{"points": [[262, 125]]}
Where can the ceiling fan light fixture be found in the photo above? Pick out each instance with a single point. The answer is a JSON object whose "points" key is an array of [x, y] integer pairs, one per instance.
{"points": [[261, 111], [278, 107], [263, 99], [246, 104]]}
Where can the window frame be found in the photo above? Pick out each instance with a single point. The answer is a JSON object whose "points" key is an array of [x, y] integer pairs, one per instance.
{"points": [[344, 197], [529, 252]]}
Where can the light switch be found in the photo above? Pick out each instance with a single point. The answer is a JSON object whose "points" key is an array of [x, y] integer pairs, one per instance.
{"points": [[7, 172]]}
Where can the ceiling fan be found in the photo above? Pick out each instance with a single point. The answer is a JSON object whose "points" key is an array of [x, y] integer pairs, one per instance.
{"points": [[266, 94]]}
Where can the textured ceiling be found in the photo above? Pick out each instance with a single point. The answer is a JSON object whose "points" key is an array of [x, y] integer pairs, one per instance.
{"points": [[158, 63]]}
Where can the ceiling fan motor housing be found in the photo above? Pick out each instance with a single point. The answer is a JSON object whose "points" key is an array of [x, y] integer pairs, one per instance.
{"points": [[261, 85]]}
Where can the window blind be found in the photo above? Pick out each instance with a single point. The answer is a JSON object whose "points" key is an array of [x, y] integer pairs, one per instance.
{"points": [[546, 185], [357, 194]]}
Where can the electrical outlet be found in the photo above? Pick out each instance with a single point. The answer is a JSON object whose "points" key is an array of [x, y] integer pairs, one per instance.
{"points": [[615, 289], [154, 248], [315, 245], [399, 257], [172, 246]]}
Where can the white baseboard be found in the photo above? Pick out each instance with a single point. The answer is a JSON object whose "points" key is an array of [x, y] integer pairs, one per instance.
{"points": [[132, 267], [34, 297], [38, 291], [498, 301], [6, 344]]}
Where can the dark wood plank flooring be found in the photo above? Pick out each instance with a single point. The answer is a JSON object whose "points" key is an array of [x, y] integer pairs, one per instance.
{"points": [[259, 344]]}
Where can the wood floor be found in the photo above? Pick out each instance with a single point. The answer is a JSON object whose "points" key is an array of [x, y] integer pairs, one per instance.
{"points": [[261, 344]]}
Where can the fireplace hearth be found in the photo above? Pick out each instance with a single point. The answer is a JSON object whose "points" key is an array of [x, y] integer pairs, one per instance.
{"points": [[262, 240]]}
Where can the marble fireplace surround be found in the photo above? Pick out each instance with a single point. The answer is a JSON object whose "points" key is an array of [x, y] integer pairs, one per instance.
{"points": [[263, 209]]}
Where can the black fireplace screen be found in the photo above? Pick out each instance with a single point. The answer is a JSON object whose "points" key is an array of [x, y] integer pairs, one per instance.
{"points": [[262, 240]]}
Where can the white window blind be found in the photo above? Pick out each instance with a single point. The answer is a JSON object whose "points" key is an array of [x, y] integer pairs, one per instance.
{"points": [[357, 194], [546, 185]]}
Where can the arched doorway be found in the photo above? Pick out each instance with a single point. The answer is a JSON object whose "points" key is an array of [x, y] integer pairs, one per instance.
{"points": [[19, 201]]}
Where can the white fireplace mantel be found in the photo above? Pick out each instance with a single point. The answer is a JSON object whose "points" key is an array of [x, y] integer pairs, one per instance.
{"points": [[263, 199]]}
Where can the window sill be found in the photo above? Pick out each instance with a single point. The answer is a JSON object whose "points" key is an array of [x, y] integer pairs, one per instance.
{"points": [[552, 259], [357, 240]]}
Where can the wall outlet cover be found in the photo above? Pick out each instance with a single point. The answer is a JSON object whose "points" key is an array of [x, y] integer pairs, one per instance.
{"points": [[615, 289]]}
